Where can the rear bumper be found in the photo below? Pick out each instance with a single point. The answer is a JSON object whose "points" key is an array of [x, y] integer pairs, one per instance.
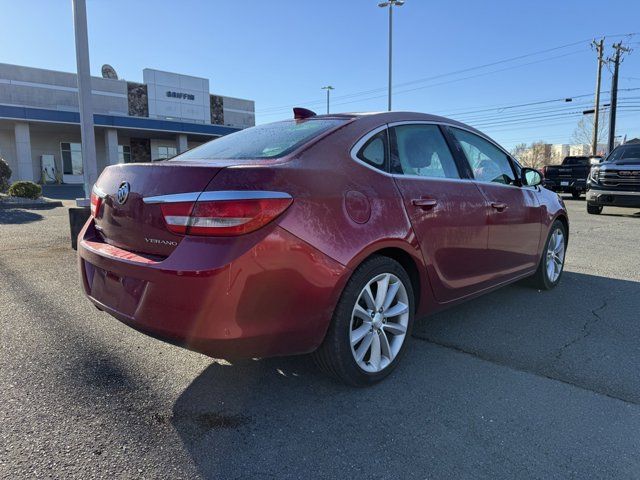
{"points": [[613, 198], [571, 185], [263, 294]]}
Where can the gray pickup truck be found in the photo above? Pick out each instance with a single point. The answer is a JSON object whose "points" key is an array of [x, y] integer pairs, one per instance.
{"points": [[616, 181], [569, 177]]}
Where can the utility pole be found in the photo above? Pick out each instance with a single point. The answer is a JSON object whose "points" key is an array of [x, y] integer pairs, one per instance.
{"points": [[614, 92], [599, 48], [390, 4], [87, 135], [328, 88]]}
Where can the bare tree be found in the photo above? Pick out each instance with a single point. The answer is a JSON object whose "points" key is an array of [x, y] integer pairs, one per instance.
{"points": [[540, 155], [519, 150], [583, 133]]}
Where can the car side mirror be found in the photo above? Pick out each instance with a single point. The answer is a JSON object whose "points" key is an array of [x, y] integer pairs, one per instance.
{"points": [[531, 177]]}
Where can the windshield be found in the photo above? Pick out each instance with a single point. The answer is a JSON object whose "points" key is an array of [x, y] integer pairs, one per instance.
{"points": [[625, 152], [265, 141]]}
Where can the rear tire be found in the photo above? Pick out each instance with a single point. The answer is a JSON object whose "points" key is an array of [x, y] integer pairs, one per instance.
{"points": [[553, 258], [576, 195], [364, 344], [594, 209]]}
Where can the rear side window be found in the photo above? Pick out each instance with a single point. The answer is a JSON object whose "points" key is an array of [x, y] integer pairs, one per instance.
{"points": [[422, 150], [264, 141], [488, 162], [374, 152]]}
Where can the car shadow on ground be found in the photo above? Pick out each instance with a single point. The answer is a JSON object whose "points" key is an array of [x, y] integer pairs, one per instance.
{"points": [[17, 216], [584, 333]]}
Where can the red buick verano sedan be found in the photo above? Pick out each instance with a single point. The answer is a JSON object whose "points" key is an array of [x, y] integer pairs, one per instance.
{"points": [[323, 234]]}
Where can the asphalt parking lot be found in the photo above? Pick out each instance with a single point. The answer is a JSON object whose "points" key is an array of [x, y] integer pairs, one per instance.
{"points": [[517, 384]]}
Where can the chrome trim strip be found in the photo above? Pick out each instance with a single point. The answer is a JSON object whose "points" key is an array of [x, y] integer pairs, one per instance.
{"points": [[217, 195], [99, 192], [620, 193], [173, 198]]}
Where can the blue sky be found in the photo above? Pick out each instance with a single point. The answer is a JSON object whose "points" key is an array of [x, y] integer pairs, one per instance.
{"points": [[280, 52]]}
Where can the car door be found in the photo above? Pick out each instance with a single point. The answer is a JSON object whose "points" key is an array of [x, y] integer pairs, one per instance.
{"points": [[514, 215], [447, 211]]}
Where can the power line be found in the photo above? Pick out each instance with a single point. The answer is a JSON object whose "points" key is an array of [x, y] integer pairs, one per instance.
{"points": [[456, 72], [440, 83]]}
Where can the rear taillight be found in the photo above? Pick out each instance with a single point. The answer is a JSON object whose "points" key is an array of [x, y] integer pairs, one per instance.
{"points": [[96, 202], [222, 217]]}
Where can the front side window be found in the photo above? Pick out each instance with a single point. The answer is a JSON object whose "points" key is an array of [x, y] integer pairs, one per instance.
{"points": [[422, 150], [374, 152], [264, 141], [488, 163], [71, 158]]}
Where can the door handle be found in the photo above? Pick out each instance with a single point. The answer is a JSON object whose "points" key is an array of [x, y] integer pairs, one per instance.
{"points": [[499, 206], [424, 203]]}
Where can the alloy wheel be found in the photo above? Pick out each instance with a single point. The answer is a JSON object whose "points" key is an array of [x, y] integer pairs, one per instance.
{"points": [[555, 255], [379, 322]]}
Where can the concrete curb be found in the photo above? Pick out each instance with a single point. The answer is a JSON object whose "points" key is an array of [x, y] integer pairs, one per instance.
{"points": [[31, 205]]}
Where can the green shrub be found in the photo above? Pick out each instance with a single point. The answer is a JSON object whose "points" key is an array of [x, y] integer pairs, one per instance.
{"points": [[5, 175], [25, 190]]}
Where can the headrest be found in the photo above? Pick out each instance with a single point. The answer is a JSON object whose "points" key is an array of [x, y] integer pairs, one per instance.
{"points": [[418, 149]]}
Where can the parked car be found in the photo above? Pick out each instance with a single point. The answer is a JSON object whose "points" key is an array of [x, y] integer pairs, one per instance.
{"points": [[570, 176], [324, 234], [616, 181]]}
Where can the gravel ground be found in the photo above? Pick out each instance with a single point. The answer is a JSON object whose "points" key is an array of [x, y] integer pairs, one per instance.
{"points": [[517, 384]]}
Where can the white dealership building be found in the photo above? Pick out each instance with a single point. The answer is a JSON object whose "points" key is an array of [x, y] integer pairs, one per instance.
{"points": [[165, 114]]}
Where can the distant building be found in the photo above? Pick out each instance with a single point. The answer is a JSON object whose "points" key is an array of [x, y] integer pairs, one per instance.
{"points": [[558, 152], [134, 122]]}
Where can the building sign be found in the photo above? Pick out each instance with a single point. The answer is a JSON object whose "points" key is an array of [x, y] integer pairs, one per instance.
{"points": [[186, 96], [177, 97]]}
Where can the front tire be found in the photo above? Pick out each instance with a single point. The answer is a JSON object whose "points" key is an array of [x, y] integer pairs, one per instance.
{"points": [[552, 262], [370, 325], [594, 209], [576, 195]]}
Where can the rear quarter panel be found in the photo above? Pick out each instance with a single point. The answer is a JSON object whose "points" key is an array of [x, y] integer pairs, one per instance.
{"points": [[552, 208], [344, 209]]}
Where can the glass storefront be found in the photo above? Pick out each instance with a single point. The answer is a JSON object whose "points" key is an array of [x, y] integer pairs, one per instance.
{"points": [[71, 158]]}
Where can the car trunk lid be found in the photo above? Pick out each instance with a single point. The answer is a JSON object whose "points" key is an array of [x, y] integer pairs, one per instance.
{"points": [[125, 221]]}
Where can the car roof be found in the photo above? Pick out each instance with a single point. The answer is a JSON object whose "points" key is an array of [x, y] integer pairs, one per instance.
{"points": [[401, 116], [375, 119]]}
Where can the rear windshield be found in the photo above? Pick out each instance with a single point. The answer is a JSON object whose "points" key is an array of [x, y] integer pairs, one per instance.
{"points": [[264, 141], [625, 152], [576, 161]]}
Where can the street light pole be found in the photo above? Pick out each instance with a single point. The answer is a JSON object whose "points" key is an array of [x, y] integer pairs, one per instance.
{"points": [[328, 88], [390, 4], [87, 135]]}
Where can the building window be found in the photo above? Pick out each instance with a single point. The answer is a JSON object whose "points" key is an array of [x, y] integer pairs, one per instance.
{"points": [[71, 158], [124, 154], [166, 152]]}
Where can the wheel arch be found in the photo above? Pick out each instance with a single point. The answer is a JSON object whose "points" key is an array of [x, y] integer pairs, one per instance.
{"points": [[562, 217], [409, 257]]}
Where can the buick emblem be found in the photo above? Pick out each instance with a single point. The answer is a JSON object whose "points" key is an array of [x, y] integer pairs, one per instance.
{"points": [[123, 193]]}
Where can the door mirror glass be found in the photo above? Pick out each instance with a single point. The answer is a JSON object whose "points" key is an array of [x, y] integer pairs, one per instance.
{"points": [[531, 177]]}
